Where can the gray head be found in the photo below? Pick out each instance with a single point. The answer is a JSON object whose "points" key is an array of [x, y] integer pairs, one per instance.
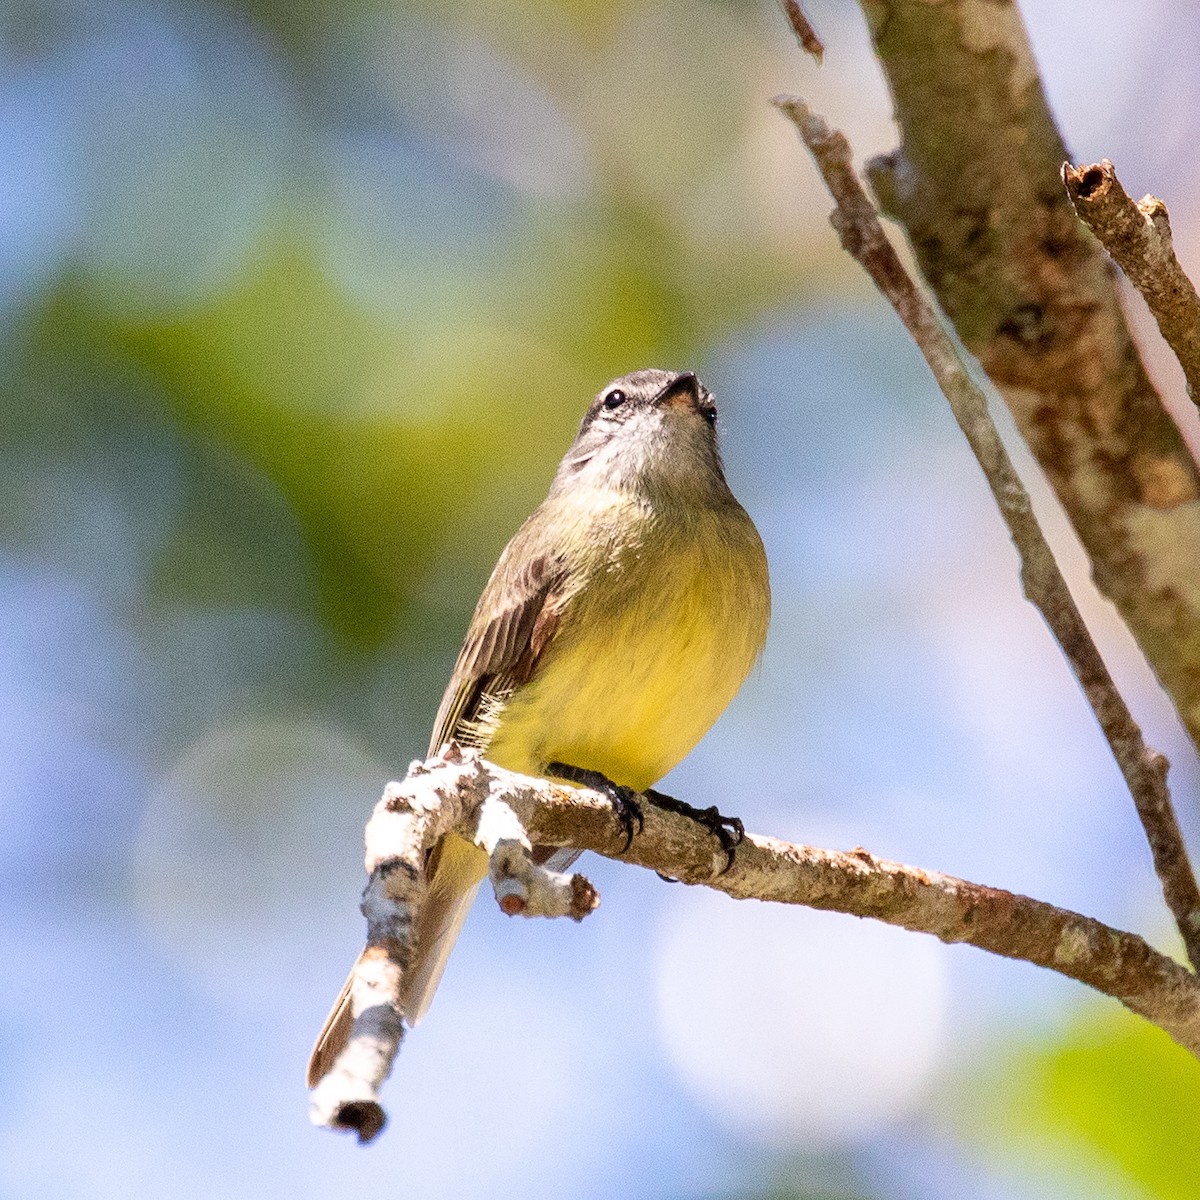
{"points": [[650, 431]]}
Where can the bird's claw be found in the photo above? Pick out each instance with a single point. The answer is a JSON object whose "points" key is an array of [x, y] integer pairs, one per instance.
{"points": [[729, 831], [625, 808]]}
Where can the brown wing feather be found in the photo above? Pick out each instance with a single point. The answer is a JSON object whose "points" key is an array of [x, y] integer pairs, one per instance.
{"points": [[514, 622]]}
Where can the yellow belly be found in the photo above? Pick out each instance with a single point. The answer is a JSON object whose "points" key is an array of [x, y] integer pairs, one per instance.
{"points": [[647, 657]]}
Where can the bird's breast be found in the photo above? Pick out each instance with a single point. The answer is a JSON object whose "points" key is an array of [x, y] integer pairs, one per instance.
{"points": [[651, 647]]}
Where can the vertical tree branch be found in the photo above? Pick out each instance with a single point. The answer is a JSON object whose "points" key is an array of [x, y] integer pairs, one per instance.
{"points": [[976, 185], [861, 233]]}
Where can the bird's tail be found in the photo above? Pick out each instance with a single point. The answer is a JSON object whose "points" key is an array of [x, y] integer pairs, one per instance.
{"points": [[456, 870]]}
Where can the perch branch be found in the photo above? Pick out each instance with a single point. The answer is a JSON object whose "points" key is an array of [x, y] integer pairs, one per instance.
{"points": [[1138, 236], [1120, 965], [975, 184], [1145, 771]]}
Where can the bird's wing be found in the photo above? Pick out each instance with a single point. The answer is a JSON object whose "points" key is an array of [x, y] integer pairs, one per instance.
{"points": [[514, 622]]}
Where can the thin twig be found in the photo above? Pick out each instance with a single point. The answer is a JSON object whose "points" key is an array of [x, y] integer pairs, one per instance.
{"points": [[1119, 964], [802, 27], [1145, 771], [1138, 236]]}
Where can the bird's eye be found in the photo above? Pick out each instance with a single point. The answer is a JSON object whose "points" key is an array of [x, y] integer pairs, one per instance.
{"points": [[614, 399]]}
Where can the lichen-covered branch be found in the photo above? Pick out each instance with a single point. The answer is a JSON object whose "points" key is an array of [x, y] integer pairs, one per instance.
{"points": [[523, 886], [452, 791], [975, 183], [1118, 964], [1145, 771], [410, 818], [1138, 236]]}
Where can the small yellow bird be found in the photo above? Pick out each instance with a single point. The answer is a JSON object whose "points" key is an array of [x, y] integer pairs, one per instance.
{"points": [[619, 622]]}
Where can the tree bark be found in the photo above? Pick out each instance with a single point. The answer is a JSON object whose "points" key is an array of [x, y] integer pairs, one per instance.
{"points": [[975, 183]]}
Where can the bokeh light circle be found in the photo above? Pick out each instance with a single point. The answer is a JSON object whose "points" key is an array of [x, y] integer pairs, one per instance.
{"points": [[798, 1028]]}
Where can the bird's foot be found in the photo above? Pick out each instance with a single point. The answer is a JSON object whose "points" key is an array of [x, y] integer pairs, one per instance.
{"points": [[625, 808], [729, 831]]}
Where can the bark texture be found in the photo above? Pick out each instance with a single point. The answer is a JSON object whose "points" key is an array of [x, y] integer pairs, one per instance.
{"points": [[975, 183], [1144, 770]]}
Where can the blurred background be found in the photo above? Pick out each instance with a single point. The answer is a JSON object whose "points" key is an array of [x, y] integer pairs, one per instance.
{"points": [[299, 306]]}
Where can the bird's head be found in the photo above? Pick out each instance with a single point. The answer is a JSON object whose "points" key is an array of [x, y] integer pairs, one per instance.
{"points": [[652, 431]]}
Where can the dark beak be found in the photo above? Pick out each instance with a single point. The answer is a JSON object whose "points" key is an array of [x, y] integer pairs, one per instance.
{"points": [[684, 385]]}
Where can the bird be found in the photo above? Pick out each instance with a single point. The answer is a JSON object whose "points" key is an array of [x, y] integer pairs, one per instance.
{"points": [[617, 625]]}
